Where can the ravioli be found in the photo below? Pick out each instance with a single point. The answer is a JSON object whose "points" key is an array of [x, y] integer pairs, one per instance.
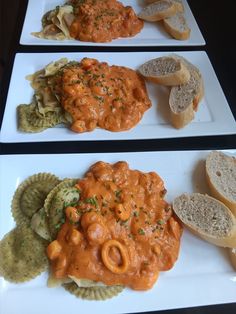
{"points": [[97, 293], [64, 194], [56, 23], [30, 195], [22, 255]]}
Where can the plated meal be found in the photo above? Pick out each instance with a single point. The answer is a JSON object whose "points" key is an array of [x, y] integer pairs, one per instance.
{"points": [[49, 23], [89, 94], [113, 228], [85, 94], [105, 20], [90, 20], [210, 115], [109, 230]]}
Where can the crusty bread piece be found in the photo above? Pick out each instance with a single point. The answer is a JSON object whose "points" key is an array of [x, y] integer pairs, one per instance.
{"points": [[221, 178], [207, 217], [179, 4], [167, 71], [176, 25], [158, 10], [232, 256], [184, 99]]}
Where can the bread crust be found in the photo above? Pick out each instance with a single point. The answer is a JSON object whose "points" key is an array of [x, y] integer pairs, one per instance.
{"points": [[176, 33], [181, 119], [216, 193], [179, 5], [178, 77], [228, 241], [184, 117], [181, 77], [159, 15], [232, 256]]}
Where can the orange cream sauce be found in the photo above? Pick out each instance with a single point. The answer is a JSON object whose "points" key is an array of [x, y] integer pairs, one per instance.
{"points": [[122, 231], [103, 20], [98, 95]]}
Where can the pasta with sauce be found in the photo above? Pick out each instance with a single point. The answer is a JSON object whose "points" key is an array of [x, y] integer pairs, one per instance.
{"points": [[85, 95], [109, 230], [90, 20]]}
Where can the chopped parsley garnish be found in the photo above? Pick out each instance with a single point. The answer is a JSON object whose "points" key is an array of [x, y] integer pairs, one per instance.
{"points": [[92, 201], [58, 226], [141, 231], [118, 192], [73, 202]]}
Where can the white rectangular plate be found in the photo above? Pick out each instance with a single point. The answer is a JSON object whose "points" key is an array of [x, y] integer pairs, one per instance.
{"points": [[152, 34], [214, 116], [201, 276]]}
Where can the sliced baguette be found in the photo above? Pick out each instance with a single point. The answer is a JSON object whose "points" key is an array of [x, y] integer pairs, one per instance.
{"points": [[208, 218], [158, 10], [178, 3], [232, 256], [176, 25], [167, 71], [221, 178], [184, 99]]}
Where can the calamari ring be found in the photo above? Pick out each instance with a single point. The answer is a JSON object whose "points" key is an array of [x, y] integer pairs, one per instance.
{"points": [[116, 269]]}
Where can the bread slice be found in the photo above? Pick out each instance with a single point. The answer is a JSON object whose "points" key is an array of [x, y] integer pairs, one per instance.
{"points": [[232, 256], [221, 178], [207, 217], [184, 99], [178, 3], [167, 71], [158, 10], [176, 25]]}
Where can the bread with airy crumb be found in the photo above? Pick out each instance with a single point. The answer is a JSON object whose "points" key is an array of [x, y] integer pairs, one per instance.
{"points": [[207, 217], [178, 3], [184, 99], [221, 178], [176, 25], [158, 10], [165, 70]]}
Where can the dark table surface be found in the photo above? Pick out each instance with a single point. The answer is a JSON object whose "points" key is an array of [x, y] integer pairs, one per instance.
{"points": [[216, 20]]}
